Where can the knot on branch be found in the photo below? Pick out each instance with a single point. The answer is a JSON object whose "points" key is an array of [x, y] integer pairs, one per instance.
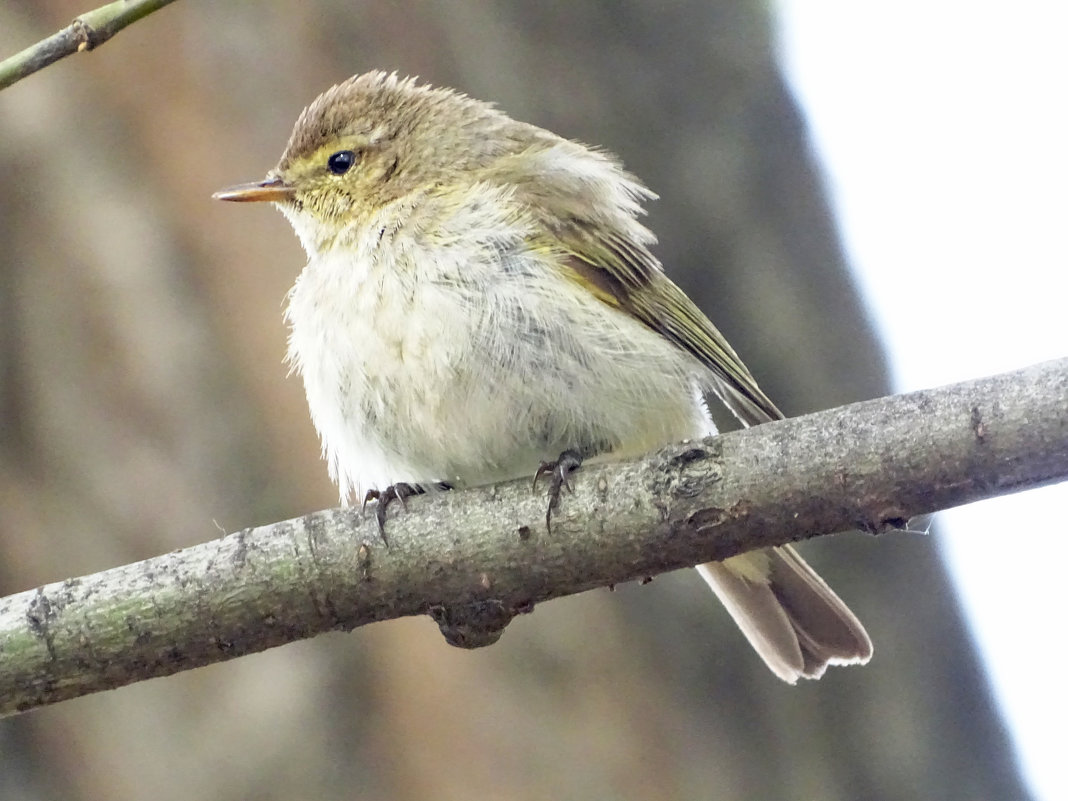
{"points": [[477, 624], [686, 470], [84, 34], [40, 615]]}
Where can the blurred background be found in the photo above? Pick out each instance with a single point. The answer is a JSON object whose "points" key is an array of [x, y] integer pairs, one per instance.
{"points": [[943, 147], [144, 405]]}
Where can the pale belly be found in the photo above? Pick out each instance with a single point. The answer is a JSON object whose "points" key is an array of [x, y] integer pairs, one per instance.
{"points": [[417, 380]]}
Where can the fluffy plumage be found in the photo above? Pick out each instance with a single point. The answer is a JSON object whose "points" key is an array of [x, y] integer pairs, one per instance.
{"points": [[480, 295]]}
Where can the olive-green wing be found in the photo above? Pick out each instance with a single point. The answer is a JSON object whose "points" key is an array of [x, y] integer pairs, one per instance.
{"points": [[624, 273]]}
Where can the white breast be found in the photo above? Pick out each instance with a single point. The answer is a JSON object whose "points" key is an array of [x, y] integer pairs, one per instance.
{"points": [[466, 358]]}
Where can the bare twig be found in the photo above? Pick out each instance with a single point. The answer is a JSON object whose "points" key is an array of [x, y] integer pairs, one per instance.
{"points": [[89, 30], [474, 559]]}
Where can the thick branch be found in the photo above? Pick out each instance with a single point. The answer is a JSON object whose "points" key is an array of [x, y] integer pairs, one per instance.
{"points": [[89, 30], [476, 558]]}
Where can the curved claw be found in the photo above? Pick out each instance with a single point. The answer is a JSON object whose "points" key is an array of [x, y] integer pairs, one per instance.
{"points": [[394, 492], [560, 470]]}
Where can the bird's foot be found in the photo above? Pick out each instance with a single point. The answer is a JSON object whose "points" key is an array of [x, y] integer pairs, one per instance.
{"points": [[394, 492], [559, 471]]}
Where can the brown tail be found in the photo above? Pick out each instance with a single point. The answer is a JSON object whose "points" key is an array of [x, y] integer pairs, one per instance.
{"points": [[788, 613]]}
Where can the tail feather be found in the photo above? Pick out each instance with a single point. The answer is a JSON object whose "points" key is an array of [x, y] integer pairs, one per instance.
{"points": [[791, 617]]}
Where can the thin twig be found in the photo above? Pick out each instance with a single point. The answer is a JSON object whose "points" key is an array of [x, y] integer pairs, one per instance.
{"points": [[88, 31]]}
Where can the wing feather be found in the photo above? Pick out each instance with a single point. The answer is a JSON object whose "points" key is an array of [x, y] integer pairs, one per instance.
{"points": [[587, 206], [625, 274]]}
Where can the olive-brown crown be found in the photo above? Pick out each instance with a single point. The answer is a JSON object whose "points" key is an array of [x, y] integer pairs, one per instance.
{"points": [[377, 137]]}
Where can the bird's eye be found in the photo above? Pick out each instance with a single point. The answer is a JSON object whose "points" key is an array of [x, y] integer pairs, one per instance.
{"points": [[341, 162]]}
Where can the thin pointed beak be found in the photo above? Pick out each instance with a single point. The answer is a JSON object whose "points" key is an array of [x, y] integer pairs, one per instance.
{"points": [[270, 190]]}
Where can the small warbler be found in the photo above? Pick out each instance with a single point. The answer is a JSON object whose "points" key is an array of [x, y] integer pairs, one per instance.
{"points": [[480, 296]]}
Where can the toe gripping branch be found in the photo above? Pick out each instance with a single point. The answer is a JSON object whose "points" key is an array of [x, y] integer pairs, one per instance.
{"points": [[559, 472], [482, 622], [479, 623], [394, 492]]}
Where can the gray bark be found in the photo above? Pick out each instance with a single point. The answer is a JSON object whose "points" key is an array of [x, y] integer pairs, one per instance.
{"points": [[475, 559]]}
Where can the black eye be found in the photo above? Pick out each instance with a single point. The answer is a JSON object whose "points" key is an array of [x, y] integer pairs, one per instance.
{"points": [[341, 162]]}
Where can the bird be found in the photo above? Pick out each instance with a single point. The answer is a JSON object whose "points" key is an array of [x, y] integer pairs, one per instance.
{"points": [[481, 302]]}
